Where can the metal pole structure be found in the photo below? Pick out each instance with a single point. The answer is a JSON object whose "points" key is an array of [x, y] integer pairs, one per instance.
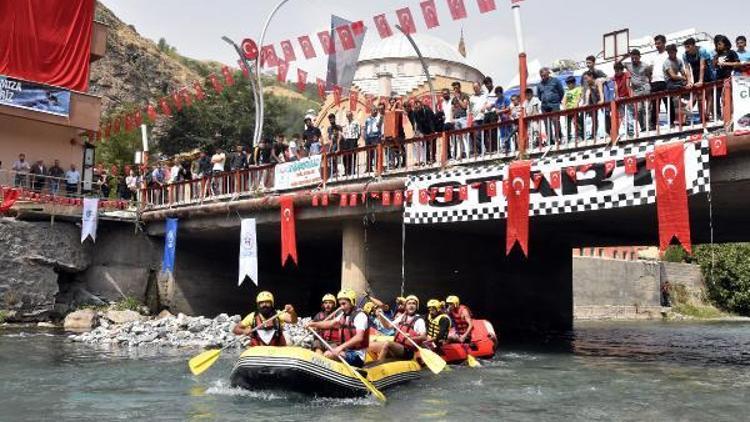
{"points": [[424, 65], [257, 68], [523, 76], [252, 85]]}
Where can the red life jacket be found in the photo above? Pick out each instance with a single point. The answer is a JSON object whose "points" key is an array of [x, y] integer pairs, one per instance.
{"points": [[347, 330], [330, 335], [458, 319], [406, 324], [278, 336]]}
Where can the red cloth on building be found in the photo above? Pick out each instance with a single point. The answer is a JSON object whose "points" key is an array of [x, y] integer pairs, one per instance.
{"points": [[47, 41]]}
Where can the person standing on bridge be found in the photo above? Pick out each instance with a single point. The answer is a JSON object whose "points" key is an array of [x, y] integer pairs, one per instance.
{"points": [[462, 321], [271, 322], [351, 134]]}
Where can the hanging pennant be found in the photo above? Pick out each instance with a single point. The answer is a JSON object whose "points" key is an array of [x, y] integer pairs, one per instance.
{"points": [[424, 197], [199, 93], [346, 37], [228, 78], [324, 200], [288, 233], [352, 199], [631, 165], [430, 13], [187, 99], [281, 71], [433, 194], [650, 159], [671, 195], [307, 48], [244, 68], [336, 95], [315, 200], [518, 207], [301, 80], [358, 28], [398, 198], [138, 118], [537, 177], [268, 57], [116, 125], [571, 172], [457, 8], [486, 6], [89, 218], [215, 83], [463, 192], [384, 28], [448, 194], [719, 146], [248, 251], [288, 50], [386, 199], [327, 42], [406, 21], [177, 100], [321, 88], [165, 110], [151, 112], [609, 167], [343, 200]]}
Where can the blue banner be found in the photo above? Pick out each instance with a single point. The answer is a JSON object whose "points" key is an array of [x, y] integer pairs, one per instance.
{"points": [[170, 245], [33, 96]]}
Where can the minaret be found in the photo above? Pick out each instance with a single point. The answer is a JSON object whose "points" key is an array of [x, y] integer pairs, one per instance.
{"points": [[462, 44]]}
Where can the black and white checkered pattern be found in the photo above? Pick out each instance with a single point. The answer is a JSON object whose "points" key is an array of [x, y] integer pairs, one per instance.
{"points": [[697, 168]]}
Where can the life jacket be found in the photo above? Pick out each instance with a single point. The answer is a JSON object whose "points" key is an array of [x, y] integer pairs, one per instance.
{"points": [[407, 326], [330, 335], [433, 327], [278, 335], [347, 330], [459, 322]]}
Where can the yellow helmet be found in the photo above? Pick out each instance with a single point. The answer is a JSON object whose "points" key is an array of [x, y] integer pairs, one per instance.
{"points": [[264, 296], [369, 308], [433, 303], [400, 300], [452, 300], [347, 294], [329, 298], [412, 297]]}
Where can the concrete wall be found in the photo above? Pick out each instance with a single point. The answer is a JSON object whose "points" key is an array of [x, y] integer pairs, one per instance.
{"points": [[688, 275], [39, 141]]}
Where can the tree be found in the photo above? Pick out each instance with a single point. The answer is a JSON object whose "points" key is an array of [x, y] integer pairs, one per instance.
{"points": [[726, 270]]}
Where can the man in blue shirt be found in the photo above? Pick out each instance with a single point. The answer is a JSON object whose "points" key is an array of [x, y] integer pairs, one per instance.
{"points": [[551, 93], [700, 62], [742, 53]]}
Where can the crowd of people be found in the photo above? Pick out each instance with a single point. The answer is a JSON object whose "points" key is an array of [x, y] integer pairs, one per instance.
{"points": [[40, 177], [346, 329]]}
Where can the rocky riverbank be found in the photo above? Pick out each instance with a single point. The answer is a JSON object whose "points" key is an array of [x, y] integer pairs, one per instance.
{"points": [[167, 330]]}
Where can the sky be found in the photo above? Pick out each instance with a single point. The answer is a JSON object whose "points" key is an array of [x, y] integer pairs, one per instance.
{"points": [[553, 29]]}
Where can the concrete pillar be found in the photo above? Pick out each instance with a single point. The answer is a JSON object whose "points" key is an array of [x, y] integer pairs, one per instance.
{"points": [[385, 83], [353, 259]]}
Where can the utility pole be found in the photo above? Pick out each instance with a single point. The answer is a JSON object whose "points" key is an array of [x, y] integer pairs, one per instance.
{"points": [[522, 74]]}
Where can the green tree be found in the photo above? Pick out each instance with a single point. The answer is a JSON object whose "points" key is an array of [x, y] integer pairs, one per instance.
{"points": [[726, 269]]}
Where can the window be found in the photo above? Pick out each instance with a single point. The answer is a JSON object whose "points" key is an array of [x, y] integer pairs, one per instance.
{"points": [[400, 69]]}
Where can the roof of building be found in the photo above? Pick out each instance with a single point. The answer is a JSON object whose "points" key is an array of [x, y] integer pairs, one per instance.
{"points": [[398, 46]]}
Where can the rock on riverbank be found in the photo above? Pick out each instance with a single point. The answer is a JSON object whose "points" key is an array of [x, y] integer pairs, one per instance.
{"points": [[176, 331]]}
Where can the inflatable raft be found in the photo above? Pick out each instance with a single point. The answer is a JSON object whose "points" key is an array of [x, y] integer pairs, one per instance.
{"points": [[303, 371]]}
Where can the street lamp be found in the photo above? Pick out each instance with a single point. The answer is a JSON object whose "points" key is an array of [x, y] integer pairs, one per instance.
{"points": [[253, 85], [522, 74]]}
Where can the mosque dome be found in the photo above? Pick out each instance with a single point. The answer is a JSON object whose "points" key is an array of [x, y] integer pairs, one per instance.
{"points": [[399, 47]]}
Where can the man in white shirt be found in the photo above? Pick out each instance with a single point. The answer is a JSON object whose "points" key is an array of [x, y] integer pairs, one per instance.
{"points": [[218, 160], [354, 326], [22, 168], [412, 324], [352, 132], [72, 177], [477, 108], [658, 78]]}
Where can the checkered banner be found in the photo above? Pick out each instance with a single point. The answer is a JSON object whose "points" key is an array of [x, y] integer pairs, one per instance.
{"points": [[590, 180]]}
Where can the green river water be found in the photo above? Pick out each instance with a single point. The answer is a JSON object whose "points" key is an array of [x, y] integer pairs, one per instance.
{"points": [[599, 372]]}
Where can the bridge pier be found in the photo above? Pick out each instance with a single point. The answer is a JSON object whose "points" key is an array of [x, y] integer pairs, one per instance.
{"points": [[353, 256]]}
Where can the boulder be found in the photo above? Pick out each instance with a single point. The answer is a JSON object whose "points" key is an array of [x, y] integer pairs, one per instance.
{"points": [[81, 320], [122, 317], [164, 314]]}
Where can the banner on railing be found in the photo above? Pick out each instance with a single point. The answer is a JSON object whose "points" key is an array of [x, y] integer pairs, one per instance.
{"points": [[589, 180], [33, 96], [298, 173], [741, 100]]}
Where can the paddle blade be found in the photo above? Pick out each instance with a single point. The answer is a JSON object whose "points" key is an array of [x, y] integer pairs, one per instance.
{"points": [[203, 361], [473, 362], [375, 392], [433, 361]]}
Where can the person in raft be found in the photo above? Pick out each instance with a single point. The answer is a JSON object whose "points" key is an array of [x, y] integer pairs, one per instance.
{"points": [[412, 324], [438, 325], [378, 318], [462, 323], [327, 306], [354, 330], [271, 332]]}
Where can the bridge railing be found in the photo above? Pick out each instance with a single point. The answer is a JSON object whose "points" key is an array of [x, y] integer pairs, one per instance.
{"points": [[657, 114]]}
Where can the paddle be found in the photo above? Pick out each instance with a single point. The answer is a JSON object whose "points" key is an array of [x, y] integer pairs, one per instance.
{"points": [[472, 361], [198, 364], [375, 392], [433, 361]]}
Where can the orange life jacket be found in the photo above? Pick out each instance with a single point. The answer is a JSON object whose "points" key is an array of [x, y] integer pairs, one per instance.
{"points": [[406, 324], [458, 319], [278, 336], [347, 330], [330, 335]]}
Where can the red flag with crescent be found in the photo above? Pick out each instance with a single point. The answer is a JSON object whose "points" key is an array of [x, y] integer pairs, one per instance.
{"points": [[457, 8], [719, 146], [424, 196], [151, 112], [346, 37], [486, 6], [288, 233], [448, 195], [326, 41], [384, 28], [352, 199], [244, 68], [358, 28], [492, 188], [281, 71], [199, 93], [288, 50], [268, 57], [186, 98], [177, 100], [307, 48], [336, 95], [398, 198], [671, 195], [321, 88], [537, 180], [386, 199], [228, 78], [609, 167], [165, 110], [650, 160], [353, 100], [463, 192], [301, 80], [128, 123], [571, 172], [631, 165], [344, 200], [324, 200], [406, 20], [430, 13], [138, 116], [215, 83], [249, 49], [518, 206], [315, 200]]}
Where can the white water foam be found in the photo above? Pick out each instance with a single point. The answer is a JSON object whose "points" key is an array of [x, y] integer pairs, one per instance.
{"points": [[342, 402], [221, 388], [24, 334]]}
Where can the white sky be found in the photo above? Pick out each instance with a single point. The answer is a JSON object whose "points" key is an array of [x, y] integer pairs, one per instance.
{"points": [[553, 28]]}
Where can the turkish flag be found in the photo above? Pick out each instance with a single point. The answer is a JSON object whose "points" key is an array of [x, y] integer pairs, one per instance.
{"points": [[491, 188], [336, 95], [281, 71], [186, 98], [128, 123], [326, 41], [448, 195], [165, 110], [268, 57], [353, 100], [358, 28], [10, 196], [650, 160], [288, 49], [344, 200], [463, 192], [430, 13], [301, 80], [215, 83], [424, 196], [249, 49], [324, 200], [346, 37], [609, 167], [199, 93], [177, 100], [486, 6], [631, 165], [571, 172], [398, 198], [307, 48], [244, 68], [719, 146], [406, 20], [116, 126], [671, 195], [408, 196], [352, 199], [537, 180], [384, 28], [138, 118], [518, 206], [107, 130], [386, 199], [228, 78], [555, 179], [433, 194], [315, 200], [151, 112], [288, 234], [457, 8], [321, 88]]}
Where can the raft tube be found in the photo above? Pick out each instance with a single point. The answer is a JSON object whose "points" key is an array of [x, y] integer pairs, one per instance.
{"points": [[303, 371]]}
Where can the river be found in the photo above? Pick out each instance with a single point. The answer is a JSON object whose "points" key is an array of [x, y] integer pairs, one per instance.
{"points": [[600, 372]]}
